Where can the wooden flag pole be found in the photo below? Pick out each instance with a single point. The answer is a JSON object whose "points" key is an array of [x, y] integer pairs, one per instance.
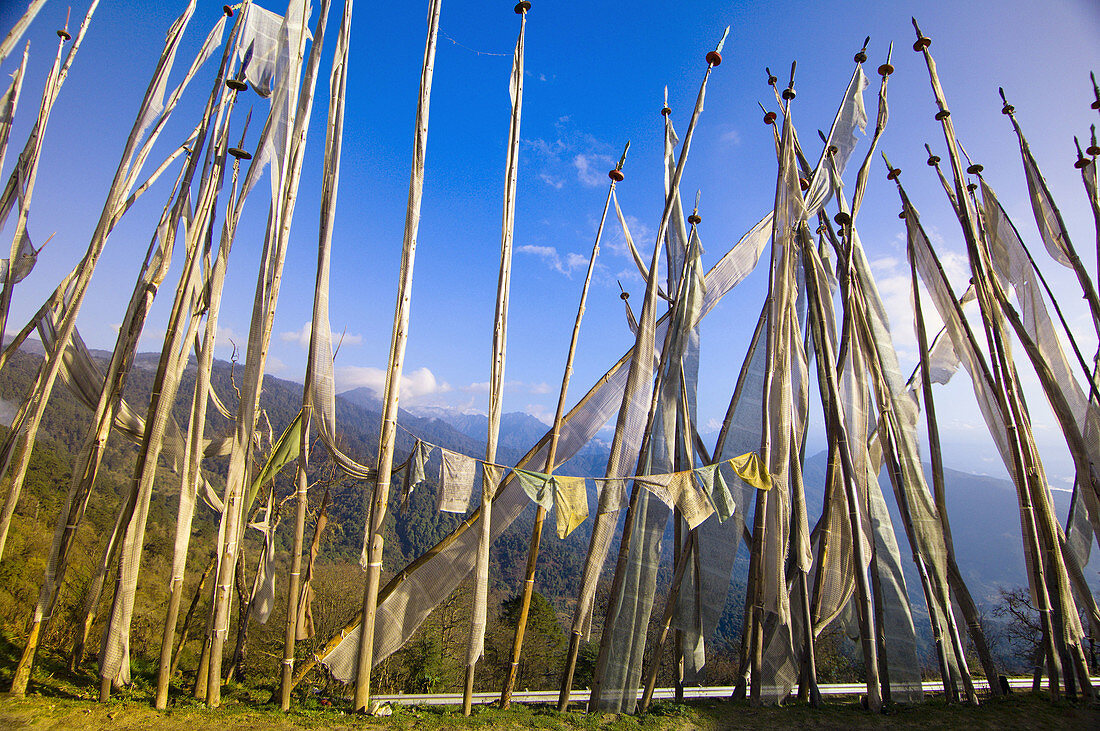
{"points": [[616, 176], [373, 546]]}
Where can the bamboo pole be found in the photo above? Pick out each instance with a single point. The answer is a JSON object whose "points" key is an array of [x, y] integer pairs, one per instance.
{"points": [[110, 398], [1012, 393], [954, 576], [190, 615], [19, 28], [616, 176], [372, 549], [130, 164], [684, 554], [195, 434], [825, 362], [15, 90], [1067, 245], [333, 148], [713, 59], [269, 279], [26, 171], [496, 394]]}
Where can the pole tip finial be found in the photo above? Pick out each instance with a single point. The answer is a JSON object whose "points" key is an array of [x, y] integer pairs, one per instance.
{"points": [[923, 41], [788, 93], [893, 171], [623, 294], [522, 7], [1007, 109], [228, 11], [714, 58], [933, 160], [772, 78], [861, 55]]}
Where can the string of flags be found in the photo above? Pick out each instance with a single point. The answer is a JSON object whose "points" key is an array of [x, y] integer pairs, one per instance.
{"points": [[697, 493]]}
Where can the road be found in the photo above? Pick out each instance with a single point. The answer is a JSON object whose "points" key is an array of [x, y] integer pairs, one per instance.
{"points": [[830, 690]]}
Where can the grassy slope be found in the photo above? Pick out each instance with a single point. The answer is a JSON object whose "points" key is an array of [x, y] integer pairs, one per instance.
{"points": [[1019, 711]]}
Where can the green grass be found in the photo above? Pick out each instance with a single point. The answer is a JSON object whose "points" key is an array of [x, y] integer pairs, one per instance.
{"points": [[59, 699]]}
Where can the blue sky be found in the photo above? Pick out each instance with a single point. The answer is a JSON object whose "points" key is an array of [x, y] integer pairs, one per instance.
{"points": [[595, 72]]}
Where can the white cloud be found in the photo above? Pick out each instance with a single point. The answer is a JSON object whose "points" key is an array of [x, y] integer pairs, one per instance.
{"points": [[587, 170], [553, 182], [510, 387], [731, 137], [553, 260], [301, 337], [414, 384], [274, 366]]}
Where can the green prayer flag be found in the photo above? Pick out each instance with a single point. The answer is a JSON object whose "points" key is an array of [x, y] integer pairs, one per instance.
{"points": [[282, 453]]}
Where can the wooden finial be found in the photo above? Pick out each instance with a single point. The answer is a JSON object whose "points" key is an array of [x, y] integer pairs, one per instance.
{"points": [[1093, 149], [228, 11], [842, 219], [933, 160], [714, 58], [522, 7], [694, 218], [1081, 161], [923, 41], [893, 171], [63, 34], [886, 69], [975, 169], [772, 78], [861, 56], [239, 152], [769, 117], [788, 93], [1095, 91], [236, 85], [1007, 108], [666, 110], [623, 294], [622, 158]]}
